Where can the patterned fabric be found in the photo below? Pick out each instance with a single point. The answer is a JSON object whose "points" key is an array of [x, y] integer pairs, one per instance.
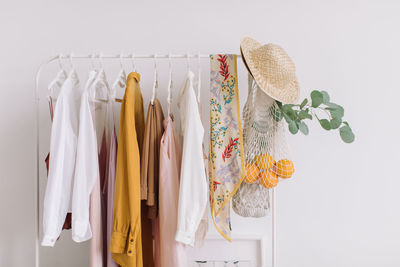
{"points": [[226, 141]]}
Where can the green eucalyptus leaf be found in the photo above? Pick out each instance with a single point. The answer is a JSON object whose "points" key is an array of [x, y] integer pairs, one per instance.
{"points": [[346, 134], [288, 110], [287, 107], [325, 124], [325, 97], [278, 115], [287, 118], [279, 103], [335, 123], [332, 105], [316, 98], [337, 112], [293, 129], [303, 114], [303, 128], [346, 123], [305, 101]]}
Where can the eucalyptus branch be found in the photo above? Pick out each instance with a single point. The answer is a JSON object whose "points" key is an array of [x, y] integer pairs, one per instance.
{"points": [[296, 114]]}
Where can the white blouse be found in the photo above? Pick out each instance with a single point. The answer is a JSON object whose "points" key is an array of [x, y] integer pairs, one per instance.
{"points": [[64, 132], [87, 162], [193, 189]]}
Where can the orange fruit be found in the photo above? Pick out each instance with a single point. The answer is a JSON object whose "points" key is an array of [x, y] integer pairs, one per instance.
{"points": [[268, 179], [264, 161], [284, 168], [252, 173]]}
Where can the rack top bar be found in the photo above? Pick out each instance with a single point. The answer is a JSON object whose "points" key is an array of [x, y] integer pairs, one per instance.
{"points": [[134, 56]]}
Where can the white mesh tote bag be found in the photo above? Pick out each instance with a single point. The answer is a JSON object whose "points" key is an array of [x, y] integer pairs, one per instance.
{"points": [[266, 151]]}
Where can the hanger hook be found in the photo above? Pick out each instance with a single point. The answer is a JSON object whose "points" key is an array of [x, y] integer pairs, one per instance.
{"points": [[120, 60], [169, 97], [133, 62], [101, 59], [70, 60], [92, 56], [188, 61], [199, 78], [169, 60], [60, 56], [155, 83]]}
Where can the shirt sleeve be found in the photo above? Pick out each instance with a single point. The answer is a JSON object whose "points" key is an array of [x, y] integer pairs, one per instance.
{"points": [[62, 164], [86, 172], [193, 183]]}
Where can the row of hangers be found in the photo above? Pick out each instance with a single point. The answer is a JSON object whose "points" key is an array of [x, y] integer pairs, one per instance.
{"points": [[121, 80]]}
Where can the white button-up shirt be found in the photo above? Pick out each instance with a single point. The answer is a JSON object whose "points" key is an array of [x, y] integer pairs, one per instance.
{"points": [[64, 132], [193, 191], [87, 165]]}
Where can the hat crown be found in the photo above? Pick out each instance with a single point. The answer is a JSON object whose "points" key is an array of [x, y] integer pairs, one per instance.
{"points": [[272, 69], [274, 62]]}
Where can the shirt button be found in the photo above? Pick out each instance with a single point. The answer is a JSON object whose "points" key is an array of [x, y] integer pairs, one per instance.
{"points": [[131, 240], [130, 251]]}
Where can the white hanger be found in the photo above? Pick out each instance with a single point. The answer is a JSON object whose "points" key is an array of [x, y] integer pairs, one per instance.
{"points": [[133, 62], [120, 81], [155, 83], [60, 62], [188, 62], [60, 77], [92, 56], [96, 57], [170, 84], [120, 61], [199, 78], [70, 61], [100, 56], [101, 79]]}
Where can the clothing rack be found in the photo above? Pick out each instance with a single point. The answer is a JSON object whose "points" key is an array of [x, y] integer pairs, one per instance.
{"points": [[121, 56]]}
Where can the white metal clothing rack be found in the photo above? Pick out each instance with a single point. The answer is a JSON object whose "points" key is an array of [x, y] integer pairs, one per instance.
{"points": [[119, 57]]}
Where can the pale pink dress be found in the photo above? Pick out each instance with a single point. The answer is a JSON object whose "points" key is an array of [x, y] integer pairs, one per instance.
{"points": [[172, 253], [112, 160], [96, 243]]}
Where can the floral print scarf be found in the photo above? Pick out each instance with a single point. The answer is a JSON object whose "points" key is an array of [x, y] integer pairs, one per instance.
{"points": [[226, 142]]}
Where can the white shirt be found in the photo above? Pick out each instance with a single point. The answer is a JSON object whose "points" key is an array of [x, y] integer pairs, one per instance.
{"points": [[57, 199], [87, 163], [193, 182]]}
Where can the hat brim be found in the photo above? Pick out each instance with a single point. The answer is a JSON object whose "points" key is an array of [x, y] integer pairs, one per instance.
{"points": [[292, 90]]}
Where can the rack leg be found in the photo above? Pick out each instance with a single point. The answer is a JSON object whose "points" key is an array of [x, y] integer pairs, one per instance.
{"points": [[273, 228]]}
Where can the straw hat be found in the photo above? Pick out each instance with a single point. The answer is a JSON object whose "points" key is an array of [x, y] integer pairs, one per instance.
{"points": [[272, 69]]}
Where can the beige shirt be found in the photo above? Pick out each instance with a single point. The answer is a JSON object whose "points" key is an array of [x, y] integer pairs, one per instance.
{"points": [[149, 174]]}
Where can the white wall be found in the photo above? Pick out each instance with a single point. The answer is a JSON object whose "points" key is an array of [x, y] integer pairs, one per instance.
{"points": [[342, 208]]}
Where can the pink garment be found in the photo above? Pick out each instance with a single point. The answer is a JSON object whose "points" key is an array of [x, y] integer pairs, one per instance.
{"points": [[172, 253], [110, 174], [96, 243], [107, 167]]}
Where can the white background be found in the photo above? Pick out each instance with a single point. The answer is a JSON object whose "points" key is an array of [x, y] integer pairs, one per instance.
{"points": [[341, 209]]}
